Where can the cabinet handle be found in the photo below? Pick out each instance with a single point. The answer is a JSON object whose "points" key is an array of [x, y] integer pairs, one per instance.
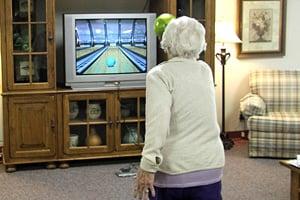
{"points": [[52, 123], [50, 38]]}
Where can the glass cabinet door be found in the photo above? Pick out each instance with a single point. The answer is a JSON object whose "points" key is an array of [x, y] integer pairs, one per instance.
{"points": [[195, 9], [204, 12], [88, 126], [192, 8], [30, 44], [130, 112]]}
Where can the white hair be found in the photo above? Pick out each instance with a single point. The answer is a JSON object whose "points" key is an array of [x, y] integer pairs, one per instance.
{"points": [[184, 37]]}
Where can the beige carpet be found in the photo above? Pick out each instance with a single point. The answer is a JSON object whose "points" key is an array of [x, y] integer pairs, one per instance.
{"points": [[254, 178], [244, 179]]}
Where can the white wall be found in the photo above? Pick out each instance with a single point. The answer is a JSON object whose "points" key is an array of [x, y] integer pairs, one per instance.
{"points": [[237, 70]]}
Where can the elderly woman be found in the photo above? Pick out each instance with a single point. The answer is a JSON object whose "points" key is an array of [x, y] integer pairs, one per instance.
{"points": [[183, 156]]}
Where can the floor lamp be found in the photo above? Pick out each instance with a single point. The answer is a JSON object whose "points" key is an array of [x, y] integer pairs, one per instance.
{"points": [[225, 34]]}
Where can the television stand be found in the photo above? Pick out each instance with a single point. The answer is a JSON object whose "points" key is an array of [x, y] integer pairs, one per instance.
{"points": [[74, 125], [109, 85]]}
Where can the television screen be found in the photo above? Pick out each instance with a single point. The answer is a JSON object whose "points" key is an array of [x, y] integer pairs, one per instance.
{"points": [[109, 50], [111, 46]]}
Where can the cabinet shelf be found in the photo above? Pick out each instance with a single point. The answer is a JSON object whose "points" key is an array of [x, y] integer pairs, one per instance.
{"points": [[98, 122], [97, 147], [128, 120], [24, 23], [85, 122], [88, 147], [79, 148], [140, 145], [19, 53]]}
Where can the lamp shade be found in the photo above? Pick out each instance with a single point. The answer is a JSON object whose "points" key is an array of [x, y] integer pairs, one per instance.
{"points": [[225, 33]]}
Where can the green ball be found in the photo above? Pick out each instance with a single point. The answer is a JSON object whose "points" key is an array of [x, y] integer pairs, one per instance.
{"points": [[161, 23]]}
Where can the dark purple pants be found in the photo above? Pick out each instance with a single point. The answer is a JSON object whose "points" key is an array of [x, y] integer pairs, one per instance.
{"points": [[204, 192]]}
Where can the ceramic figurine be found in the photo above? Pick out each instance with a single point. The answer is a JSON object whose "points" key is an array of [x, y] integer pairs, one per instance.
{"points": [[73, 109], [74, 140], [93, 139], [94, 110], [130, 135]]}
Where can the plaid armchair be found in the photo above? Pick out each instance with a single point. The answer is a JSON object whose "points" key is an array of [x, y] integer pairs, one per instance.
{"points": [[272, 110]]}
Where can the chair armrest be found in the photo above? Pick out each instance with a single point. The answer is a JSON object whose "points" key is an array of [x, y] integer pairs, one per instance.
{"points": [[252, 104]]}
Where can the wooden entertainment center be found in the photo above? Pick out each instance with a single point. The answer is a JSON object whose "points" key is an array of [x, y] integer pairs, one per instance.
{"points": [[45, 122]]}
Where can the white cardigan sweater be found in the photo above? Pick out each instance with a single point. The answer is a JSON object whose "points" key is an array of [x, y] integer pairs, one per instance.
{"points": [[182, 134]]}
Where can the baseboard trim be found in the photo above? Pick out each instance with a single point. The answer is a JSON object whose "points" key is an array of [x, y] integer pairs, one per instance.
{"points": [[238, 134]]}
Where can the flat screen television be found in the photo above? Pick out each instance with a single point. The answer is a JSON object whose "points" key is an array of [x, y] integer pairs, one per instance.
{"points": [[111, 50]]}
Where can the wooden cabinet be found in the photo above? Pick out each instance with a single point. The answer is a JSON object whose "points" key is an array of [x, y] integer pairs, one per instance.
{"points": [[29, 27], [202, 10], [30, 128], [46, 124], [28, 81], [102, 123]]}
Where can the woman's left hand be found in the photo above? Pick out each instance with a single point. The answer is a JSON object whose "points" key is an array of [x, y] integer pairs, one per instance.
{"points": [[144, 185]]}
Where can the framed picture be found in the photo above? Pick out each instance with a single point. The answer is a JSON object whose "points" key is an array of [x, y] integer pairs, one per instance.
{"points": [[262, 28]]}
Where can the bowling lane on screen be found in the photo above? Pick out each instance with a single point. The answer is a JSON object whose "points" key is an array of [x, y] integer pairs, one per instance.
{"points": [[139, 50], [81, 52], [114, 61]]}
